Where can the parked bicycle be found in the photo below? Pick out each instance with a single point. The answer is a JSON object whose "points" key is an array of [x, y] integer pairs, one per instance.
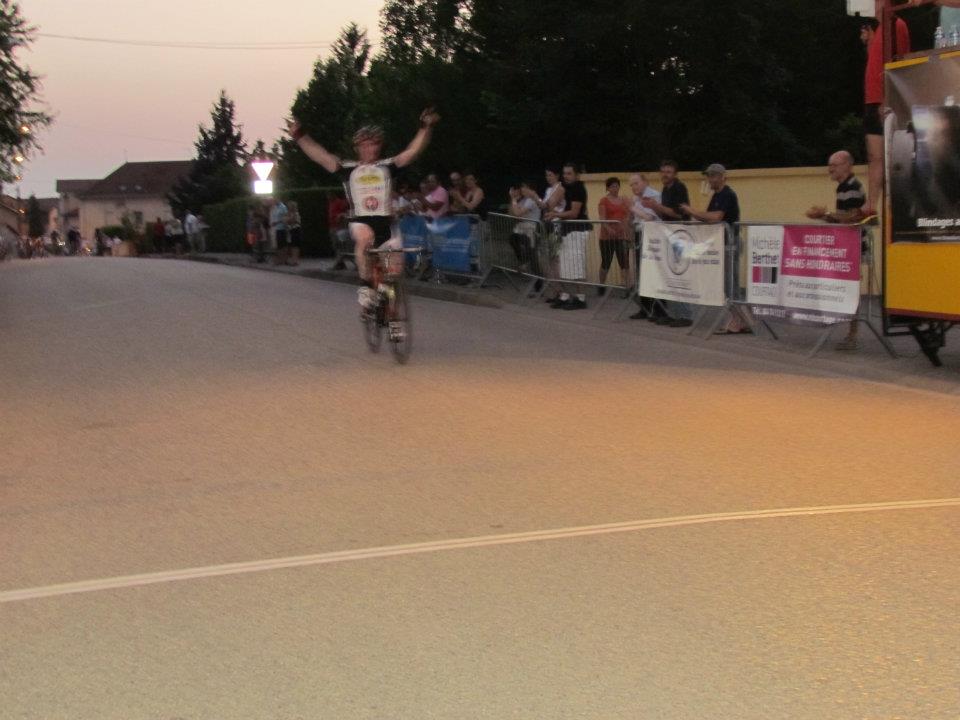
{"points": [[392, 311]]}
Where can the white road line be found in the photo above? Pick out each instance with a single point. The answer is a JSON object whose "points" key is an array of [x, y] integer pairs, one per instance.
{"points": [[198, 573]]}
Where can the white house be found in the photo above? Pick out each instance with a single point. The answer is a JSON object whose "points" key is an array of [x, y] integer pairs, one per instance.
{"points": [[136, 190]]}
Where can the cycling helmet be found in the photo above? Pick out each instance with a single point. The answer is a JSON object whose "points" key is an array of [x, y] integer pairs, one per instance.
{"points": [[368, 132]]}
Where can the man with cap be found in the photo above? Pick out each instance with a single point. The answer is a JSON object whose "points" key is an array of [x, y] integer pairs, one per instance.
{"points": [[723, 207]]}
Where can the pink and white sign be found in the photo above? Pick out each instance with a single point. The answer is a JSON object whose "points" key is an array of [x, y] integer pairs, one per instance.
{"points": [[805, 268]]}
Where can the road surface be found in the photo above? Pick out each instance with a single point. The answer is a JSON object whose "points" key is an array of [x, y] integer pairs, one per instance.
{"points": [[216, 503]]}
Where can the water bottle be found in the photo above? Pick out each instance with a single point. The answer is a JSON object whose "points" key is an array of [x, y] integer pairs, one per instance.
{"points": [[938, 40], [955, 36]]}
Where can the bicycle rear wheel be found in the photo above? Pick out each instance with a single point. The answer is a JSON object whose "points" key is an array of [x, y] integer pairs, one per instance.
{"points": [[398, 317], [373, 327]]}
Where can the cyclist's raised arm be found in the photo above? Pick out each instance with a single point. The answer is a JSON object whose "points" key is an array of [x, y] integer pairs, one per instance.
{"points": [[428, 118], [312, 149]]}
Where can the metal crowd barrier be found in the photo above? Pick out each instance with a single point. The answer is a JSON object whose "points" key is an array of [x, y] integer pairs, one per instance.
{"points": [[870, 286], [566, 254], [515, 247]]}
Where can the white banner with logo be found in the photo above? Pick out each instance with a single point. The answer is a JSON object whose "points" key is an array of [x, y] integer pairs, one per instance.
{"points": [[683, 263]]}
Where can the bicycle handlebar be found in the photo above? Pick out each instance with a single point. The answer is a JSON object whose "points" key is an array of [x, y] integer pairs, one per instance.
{"points": [[386, 251]]}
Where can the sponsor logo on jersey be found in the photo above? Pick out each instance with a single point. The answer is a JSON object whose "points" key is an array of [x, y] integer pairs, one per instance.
{"points": [[370, 179], [371, 203]]}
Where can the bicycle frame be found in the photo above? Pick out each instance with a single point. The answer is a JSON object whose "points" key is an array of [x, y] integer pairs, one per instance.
{"points": [[391, 310]]}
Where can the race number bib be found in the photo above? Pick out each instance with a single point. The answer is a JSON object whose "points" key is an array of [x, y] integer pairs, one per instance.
{"points": [[370, 190]]}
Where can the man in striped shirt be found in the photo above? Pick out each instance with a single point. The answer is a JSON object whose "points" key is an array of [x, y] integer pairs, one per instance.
{"points": [[850, 202], [850, 196]]}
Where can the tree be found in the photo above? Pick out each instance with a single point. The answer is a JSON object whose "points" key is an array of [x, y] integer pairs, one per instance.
{"points": [[217, 173], [330, 108], [613, 84], [414, 30], [36, 220], [18, 87]]}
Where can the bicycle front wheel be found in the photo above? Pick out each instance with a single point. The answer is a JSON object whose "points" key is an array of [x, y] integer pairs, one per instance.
{"points": [[398, 317]]}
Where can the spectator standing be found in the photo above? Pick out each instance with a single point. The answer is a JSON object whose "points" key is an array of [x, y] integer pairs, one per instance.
{"points": [[471, 200], [278, 231], [523, 239], [174, 231], [643, 209], [294, 233], [434, 201], [850, 200], [258, 228], [73, 240], [191, 226], [402, 204], [613, 238], [159, 236], [434, 197], [724, 207], [572, 255], [673, 194], [168, 235], [458, 190], [871, 34], [850, 197], [552, 200], [474, 202], [99, 242]]}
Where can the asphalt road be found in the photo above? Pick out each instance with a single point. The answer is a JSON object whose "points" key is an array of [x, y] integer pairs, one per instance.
{"points": [[215, 503]]}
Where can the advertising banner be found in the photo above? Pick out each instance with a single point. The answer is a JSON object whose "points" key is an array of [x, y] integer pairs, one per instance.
{"points": [[922, 135], [451, 243], [683, 263], [803, 273]]}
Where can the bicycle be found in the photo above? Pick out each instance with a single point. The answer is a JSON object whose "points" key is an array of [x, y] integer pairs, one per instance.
{"points": [[392, 311]]}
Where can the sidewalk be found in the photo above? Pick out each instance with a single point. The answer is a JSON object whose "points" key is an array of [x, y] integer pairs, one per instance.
{"points": [[871, 362]]}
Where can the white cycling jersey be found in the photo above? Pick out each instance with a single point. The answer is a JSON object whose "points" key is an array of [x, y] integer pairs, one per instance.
{"points": [[369, 187]]}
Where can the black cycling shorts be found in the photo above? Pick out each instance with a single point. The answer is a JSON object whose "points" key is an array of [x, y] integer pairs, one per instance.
{"points": [[381, 226]]}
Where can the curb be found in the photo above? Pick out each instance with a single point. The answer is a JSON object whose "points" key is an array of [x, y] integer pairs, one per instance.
{"points": [[879, 370]]}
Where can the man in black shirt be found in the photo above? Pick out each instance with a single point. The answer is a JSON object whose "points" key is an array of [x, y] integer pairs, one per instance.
{"points": [[669, 207], [572, 256], [673, 195]]}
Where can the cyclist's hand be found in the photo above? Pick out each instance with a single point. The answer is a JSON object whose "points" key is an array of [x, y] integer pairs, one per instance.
{"points": [[295, 128], [429, 117]]}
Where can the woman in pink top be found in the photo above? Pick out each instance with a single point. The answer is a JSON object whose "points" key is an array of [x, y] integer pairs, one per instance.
{"points": [[613, 237]]}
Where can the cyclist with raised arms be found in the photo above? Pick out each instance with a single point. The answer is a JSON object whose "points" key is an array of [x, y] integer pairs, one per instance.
{"points": [[368, 183]]}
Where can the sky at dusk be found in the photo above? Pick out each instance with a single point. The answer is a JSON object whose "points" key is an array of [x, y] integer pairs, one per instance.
{"points": [[114, 103]]}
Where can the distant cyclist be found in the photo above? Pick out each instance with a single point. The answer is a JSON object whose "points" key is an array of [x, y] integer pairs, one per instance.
{"points": [[368, 183]]}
